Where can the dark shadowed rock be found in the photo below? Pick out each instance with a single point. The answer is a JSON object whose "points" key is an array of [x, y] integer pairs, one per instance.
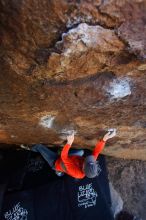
{"points": [[74, 65], [129, 179]]}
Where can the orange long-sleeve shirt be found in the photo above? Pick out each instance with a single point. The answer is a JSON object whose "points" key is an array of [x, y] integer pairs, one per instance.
{"points": [[74, 164]]}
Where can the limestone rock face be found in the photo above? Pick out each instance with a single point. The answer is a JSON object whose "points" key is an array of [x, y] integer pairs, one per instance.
{"points": [[74, 65]]}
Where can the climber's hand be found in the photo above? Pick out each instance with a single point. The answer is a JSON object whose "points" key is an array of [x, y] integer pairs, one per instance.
{"points": [[110, 134], [70, 139]]}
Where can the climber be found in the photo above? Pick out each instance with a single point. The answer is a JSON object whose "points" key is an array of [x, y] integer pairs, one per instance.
{"points": [[75, 165]]}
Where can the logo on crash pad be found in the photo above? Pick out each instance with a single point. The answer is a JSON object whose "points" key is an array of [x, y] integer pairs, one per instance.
{"points": [[17, 213], [87, 196]]}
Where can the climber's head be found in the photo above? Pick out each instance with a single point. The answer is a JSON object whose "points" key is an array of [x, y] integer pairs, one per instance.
{"points": [[90, 167]]}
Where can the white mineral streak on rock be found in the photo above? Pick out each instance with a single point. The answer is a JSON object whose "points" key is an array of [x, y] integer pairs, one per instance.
{"points": [[47, 121], [85, 36], [119, 88], [66, 131]]}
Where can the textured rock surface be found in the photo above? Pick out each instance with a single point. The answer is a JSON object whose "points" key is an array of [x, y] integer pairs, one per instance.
{"points": [[74, 65], [129, 180]]}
